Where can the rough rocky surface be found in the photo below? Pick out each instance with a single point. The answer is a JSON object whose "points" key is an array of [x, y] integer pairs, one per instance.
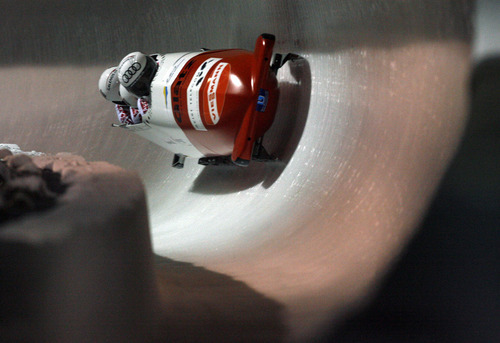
{"points": [[79, 271], [24, 187]]}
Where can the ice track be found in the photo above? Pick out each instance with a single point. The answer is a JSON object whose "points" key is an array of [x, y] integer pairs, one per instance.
{"points": [[366, 125]]}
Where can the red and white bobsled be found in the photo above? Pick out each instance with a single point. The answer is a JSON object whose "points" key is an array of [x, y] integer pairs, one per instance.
{"points": [[214, 105]]}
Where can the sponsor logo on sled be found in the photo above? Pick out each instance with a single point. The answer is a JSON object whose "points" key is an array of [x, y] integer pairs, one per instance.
{"points": [[216, 93]]}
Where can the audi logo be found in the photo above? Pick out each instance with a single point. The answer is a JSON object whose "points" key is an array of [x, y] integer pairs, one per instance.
{"points": [[131, 71]]}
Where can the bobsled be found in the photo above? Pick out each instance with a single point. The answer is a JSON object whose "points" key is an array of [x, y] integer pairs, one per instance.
{"points": [[214, 105]]}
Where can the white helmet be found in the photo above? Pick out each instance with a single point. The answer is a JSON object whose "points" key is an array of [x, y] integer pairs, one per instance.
{"points": [[135, 73], [128, 98], [109, 84]]}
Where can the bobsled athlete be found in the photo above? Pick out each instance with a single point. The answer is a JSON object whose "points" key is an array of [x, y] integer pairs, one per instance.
{"points": [[128, 105], [135, 73], [109, 87]]}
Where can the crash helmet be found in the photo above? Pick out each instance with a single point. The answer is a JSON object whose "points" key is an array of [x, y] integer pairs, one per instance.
{"points": [[135, 73], [129, 98], [109, 85]]}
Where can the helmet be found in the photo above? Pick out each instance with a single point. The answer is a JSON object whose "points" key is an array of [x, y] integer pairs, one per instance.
{"points": [[108, 85], [128, 98], [135, 73]]}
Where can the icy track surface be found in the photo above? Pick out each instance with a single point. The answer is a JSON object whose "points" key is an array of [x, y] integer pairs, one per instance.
{"points": [[366, 124]]}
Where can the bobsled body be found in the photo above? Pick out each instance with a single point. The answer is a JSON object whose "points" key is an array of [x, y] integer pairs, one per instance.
{"points": [[212, 103], [207, 104]]}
